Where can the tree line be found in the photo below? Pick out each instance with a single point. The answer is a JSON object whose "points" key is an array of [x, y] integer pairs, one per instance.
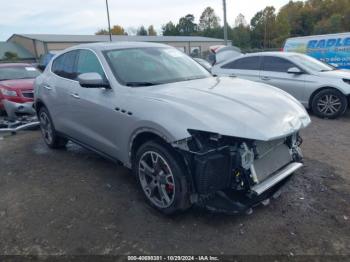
{"points": [[267, 29]]}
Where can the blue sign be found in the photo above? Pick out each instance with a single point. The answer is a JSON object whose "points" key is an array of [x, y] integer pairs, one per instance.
{"points": [[332, 50]]}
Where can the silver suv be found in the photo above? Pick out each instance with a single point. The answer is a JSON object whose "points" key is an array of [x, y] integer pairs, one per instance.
{"points": [[318, 86], [189, 137]]}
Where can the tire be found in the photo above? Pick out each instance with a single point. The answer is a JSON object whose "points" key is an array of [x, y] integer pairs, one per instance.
{"points": [[50, 136], [162, 178], [329, 103]]}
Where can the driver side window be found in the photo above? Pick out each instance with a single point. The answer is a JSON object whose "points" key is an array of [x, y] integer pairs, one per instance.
{"points": [[89, 63], [276, 64]]}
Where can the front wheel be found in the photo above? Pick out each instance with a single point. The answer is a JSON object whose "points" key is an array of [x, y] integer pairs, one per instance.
{"points": [[161, 175], [50, 136], [329, 103]]}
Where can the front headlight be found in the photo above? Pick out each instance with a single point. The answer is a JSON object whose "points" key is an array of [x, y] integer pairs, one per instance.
{"points": [[7, 92], [347, 81]]}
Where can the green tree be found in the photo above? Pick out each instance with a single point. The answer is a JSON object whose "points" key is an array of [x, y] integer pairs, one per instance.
{"points": [[170, 29], [240, 21], [10, 56], [141, 30], [282, 30], [332, 25], [208, 20], [118, 30], [151, 30], [115, 30], [263, 26], [241, 36], [186, 25], [102, 32]]}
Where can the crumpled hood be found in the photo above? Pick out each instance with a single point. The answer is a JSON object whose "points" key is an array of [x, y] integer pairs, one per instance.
{"points": [[24, 84], [233, 107]]}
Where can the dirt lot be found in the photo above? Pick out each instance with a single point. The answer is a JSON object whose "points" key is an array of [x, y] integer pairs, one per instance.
{"points": [[75, 202]]}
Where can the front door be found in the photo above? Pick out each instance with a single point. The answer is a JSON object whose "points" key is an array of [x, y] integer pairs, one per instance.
{"points": [[246, 68], [95, 109], [274, 71]]}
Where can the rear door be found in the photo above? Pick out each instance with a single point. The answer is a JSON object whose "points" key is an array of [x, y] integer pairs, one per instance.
{"points": [[274, 71], [245, 67], [58, 89]]}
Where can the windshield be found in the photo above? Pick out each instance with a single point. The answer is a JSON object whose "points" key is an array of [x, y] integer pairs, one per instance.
{"points": [[152, 66], [18, 72], [312, 63]]}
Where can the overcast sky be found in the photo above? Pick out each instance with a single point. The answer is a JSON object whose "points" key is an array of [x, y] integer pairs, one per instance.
{"points": [[87, 16]]}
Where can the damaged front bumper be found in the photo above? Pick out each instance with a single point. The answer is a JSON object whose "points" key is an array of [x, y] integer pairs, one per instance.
{"points": [[232, 175], [14, 109], [20, 116]]}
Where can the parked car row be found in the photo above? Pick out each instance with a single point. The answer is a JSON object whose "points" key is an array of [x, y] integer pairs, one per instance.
{"points": [[318, 86], [192, 134]]}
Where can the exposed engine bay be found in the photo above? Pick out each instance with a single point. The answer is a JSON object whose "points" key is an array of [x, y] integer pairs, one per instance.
{"points": [[231, 174]]}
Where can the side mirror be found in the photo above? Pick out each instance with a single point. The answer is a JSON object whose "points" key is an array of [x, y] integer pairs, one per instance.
{"points": [[295, 71], [92, 80]]}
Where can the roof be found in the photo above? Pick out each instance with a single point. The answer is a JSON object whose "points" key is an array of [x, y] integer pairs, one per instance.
{"points": [[14, 65], [105, 38], [116, 45], [15, 48], [324, 36], [276, 53]]}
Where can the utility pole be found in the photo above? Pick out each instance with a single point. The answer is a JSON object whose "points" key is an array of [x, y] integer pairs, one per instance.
{"points": [[225, 22], [109, 22]]}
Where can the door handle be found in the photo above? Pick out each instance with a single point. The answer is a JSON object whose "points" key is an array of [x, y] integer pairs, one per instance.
{"points": [[47, 87], [75, 95], [232, 75], [265, 78]]}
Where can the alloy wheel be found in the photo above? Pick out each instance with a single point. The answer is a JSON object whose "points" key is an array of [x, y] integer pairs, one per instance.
{"points": [[329, 104], [46, 128], [156, 179]]}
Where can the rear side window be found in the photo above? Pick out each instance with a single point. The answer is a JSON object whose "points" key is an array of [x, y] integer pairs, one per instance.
{"points": [[276, 64], [64, 65], [89, 63], [247, 63]]}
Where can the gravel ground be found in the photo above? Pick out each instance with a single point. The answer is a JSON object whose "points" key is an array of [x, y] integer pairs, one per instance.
{"points": [[74, 202]]}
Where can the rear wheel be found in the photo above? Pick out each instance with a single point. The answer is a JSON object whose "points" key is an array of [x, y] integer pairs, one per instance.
{"points": [[50, 136], [161, 176], [329, 103]]}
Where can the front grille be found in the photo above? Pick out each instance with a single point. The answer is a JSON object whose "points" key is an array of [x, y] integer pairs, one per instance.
{"points": [[272, 156], [28, 94]]}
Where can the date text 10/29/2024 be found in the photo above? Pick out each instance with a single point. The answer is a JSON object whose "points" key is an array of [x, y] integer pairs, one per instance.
{"points": [[173, 258]]}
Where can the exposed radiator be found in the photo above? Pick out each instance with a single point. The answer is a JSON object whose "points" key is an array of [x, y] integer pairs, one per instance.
{"points": [[272, 156]]}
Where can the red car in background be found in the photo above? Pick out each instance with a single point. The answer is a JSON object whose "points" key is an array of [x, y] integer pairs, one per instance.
{"points": [[16, 83]]}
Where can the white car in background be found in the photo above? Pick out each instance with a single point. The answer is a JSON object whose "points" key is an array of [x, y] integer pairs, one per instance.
{"points": [[318, 86]]}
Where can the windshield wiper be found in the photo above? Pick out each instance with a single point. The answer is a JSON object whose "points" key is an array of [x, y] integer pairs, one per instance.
{"points": [[136, 84], [193, 78]]}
